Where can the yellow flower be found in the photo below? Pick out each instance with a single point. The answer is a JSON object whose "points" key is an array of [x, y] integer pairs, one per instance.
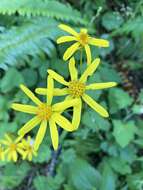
{"points": [[82, 40], [28, 146], [76, 88], [45, 113], [12, 147], [2, 157]]}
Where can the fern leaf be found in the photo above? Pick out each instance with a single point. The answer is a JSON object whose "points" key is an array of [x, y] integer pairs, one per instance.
{"points": [[48, 8], [28, 39], [133, 26]]}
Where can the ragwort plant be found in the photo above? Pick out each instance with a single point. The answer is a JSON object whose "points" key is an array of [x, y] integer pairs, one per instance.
{"points": [[46, 114]]}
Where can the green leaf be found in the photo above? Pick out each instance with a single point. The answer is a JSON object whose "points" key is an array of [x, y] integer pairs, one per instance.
{"points": [[42, 182], [112, 20], [108, 178], [30, 77], [135, 181], [44, 154], [13, 175], [83, 175], [12, 79], [120, 165], [124, 132], [94, 121], [118, 99]]}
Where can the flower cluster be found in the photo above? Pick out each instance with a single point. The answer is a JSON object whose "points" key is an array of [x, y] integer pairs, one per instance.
{"points": [[11, 148], [47, 114]]}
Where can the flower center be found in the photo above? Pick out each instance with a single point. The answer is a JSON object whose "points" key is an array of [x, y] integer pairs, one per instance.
{"points": [[13, 147], [76, 88], [44, 112], [83, 37]]}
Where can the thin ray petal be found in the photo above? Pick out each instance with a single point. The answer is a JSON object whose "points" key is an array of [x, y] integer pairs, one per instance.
{"points": [[88, 53], [54, 134], [29, 126], [30, 94], [24, 108], [99, 42], [98, 86], [71, 50], [90, 70], [68, 29], [94, 105], [72, 69], [40, 135], [57, 77], [65, 39]]}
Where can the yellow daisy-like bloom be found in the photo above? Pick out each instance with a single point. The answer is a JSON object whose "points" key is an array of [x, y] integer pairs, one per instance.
{"points": [[76, 88], [28, 146], [12, 147], [2, 157], [82, 40], [45, 113]]}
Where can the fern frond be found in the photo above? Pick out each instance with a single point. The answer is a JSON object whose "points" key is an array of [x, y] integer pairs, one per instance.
{"points": [[48, 8], [133, 26], [28, 39]]}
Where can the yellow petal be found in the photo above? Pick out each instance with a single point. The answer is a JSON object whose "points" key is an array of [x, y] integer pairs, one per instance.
{"points": [[94, 105], [30, 157], [99, 42], [5, 142], [72, 69], [60, 92], [41, 91], [24, 108], [8, 138], [88, 53], [9, 156], [40, 135], [29, 126], [89, 70], [20, 151], [63, 122], [77, 115], [57, 77], [24, 155], [65, 39], [68, 29], [50, 87], [97, 86], [57, 91], [14, 156], [54, 134], [30, 95], [71, 50], [2, 157], [59, 107]]}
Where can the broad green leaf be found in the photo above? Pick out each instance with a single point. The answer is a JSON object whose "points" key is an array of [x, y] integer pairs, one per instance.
{"points": [[112, 20], [44, 154], [120, 165], [43, 182], [12, 79], [94, 121], [83, 175], [124, 132], [30, 77], [118, 99], [14, 174], [108, 180]]}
